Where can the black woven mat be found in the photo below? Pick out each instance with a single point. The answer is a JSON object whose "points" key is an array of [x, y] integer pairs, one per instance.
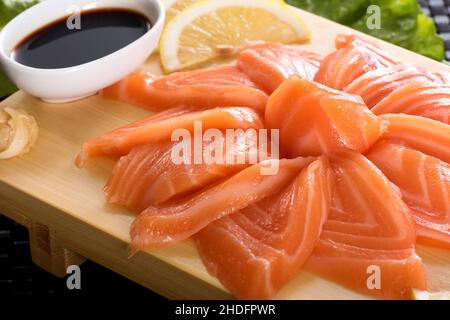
{"points": [[19, 276], [439, 10]]}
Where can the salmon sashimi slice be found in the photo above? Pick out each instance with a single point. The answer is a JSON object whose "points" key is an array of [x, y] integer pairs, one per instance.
{"points": [[208, 88], [149, 175], [315, 120], [257, 250], [269, 64], [353, 58], [375, 85], [160, 127], [423, 99], [425, 185], [369, 231], [158, 226], [422, 134], [400, 271], [442, 77]]}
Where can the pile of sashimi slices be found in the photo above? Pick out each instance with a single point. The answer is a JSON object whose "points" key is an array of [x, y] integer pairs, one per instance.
{"points": [[363, 171]]}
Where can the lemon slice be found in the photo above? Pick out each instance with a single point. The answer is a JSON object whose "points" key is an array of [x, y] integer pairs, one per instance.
{"points": [[212, 29], [425, 295], [174, 7]]}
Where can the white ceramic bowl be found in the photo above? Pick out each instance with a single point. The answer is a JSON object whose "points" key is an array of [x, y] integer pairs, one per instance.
{"points": [[68, 84]]}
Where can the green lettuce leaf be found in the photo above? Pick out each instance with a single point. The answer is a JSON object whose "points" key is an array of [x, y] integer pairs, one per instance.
{"points": [[402, 22], [425, 40], [8, 10], [345, 12]]}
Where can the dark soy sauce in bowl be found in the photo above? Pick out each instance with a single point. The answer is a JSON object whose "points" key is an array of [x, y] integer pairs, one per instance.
{"points": [[102, 32]]}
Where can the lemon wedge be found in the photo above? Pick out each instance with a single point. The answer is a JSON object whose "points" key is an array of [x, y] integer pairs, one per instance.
{"points": [[174, 7], [425, 295], [211, 29]]}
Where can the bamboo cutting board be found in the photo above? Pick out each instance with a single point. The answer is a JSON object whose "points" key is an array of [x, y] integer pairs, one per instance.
{"points": [[45, 187]]}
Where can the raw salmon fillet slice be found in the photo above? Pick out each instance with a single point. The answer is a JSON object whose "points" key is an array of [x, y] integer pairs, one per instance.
{"points": [[419, 133], [425, 185], [158, 226], [149, 175], [442, 77], [375, 85], [315, 120], [269, 64], [207, 88], [369, 229], [257, 250], [159, 127], [353, 58], [423, 99]]}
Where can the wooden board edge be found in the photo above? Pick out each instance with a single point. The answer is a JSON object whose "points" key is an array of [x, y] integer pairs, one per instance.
{"points": [[155, 274]]}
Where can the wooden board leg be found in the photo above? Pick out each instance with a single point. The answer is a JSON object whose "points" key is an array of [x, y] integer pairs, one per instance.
{"points": [[48, 252]]}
